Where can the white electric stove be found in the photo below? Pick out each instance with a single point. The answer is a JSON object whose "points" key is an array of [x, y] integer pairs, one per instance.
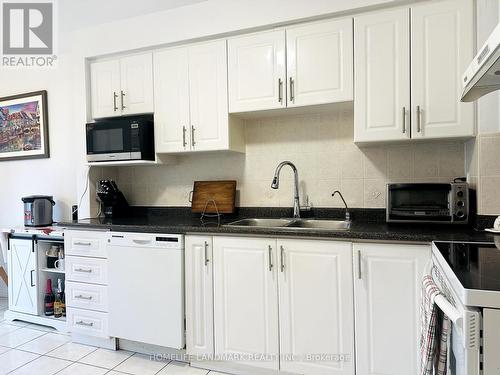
{"points": [[469, 276]]}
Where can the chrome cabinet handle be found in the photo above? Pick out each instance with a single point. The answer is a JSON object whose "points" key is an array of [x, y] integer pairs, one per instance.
{"points": [[282, 258], [83, 270], [270, 250], [122, 94], [419, 119], [192, 136], [280, 90], [115, 107], [82, 323], [404, 119], [359, 265], [184, 143], [206, 254], [79, 243], [292, 89], [83, 297]]}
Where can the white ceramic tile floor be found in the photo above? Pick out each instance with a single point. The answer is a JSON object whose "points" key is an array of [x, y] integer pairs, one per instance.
{"points": [[19, 337], [71, 351], [45, 343], [81, 369], [32, 349], [13, 359], [140, 364], [42, 366]]}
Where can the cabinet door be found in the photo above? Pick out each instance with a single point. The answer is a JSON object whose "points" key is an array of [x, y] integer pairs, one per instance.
{"points": [[199, 296], [382, 76], [316, 306], [171, 96], [105, 88], [442, 48], [208, 96], [23, 282], [246, 298], [387, 304], [320, 63], [136, 94], [256, 70]]}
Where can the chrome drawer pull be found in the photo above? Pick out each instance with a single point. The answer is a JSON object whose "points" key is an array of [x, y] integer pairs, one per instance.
{"points": [[83, 297], [83, 270], [82, 323], [79, 243]]}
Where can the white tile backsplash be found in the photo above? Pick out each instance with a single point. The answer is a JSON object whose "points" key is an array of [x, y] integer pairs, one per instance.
{"points": [[321, 146]]}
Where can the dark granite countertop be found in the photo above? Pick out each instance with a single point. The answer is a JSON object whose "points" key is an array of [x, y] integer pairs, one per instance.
{"points": [[367, 224]]}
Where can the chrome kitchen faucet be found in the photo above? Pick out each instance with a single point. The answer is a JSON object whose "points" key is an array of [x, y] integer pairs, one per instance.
{"points": [[276, 183]]}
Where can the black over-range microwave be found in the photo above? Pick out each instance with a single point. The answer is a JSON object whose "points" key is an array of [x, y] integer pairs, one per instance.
{"points": [[121, 138], [428, 202]]}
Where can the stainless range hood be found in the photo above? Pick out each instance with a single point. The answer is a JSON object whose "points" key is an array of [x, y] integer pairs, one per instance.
{"points": [[483, 74]]}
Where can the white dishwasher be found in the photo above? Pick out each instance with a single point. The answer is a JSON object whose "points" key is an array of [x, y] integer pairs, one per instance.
{"points": [[146, 288]]}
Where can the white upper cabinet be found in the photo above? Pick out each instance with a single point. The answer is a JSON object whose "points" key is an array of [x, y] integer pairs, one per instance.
{"points": [[442, 47], [136, 94], [387, 300], [316, 306], [246, 299], [105, 88], [199, 295], [256, 70], [320, 63], [382, 76], [171, 92], [208, 96], [315, 69], [408, 84], [122, 86], [190, 97]]}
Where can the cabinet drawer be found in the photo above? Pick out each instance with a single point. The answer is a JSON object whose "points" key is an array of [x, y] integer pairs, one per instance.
{"points": [[87, 270], [85, 243], [87, 296], [86, 322]]}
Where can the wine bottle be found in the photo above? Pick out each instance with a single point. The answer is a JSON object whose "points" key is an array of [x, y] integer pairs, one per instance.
{"points": [[63, 301], [49, 299], [58, 300]]}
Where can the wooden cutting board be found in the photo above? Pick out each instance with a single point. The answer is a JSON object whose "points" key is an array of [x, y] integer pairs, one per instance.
{"points": [[222, 192]]}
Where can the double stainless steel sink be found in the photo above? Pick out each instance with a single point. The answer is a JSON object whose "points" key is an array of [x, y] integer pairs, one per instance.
{"points": [[298, 224]]}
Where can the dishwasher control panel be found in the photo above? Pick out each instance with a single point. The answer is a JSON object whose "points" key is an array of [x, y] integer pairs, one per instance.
{"points": [[153, 240]]}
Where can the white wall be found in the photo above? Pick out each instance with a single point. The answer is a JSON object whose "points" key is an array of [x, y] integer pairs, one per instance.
{"points": [[56, 175]]}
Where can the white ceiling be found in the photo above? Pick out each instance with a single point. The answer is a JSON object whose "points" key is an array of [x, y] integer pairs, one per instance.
{"points": [[78, 14]]}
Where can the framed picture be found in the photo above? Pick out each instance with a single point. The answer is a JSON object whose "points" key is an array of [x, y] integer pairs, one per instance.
{"points": [[24, 128]]}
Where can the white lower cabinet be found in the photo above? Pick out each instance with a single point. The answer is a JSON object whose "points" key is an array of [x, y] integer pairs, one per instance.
{"points": [[199, 295], [313, 307], [22, 266], [316, 307], [387, 301], [246, 299]]}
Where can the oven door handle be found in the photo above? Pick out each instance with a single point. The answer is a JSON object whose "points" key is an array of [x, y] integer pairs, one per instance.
{"points": [[467, 322]]}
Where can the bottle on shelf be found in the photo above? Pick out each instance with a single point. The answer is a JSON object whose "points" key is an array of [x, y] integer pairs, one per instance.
{"points": [[58, 300], [49, 299]]}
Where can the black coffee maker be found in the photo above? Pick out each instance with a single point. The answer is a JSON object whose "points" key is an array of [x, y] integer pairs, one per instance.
{"points": [[113, 202]]}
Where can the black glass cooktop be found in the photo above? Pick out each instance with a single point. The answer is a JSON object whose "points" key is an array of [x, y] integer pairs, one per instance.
{"points": [[476, 265]]}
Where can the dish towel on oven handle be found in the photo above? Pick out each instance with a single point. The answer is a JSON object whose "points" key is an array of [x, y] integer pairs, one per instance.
{"points": [[435, 330]]}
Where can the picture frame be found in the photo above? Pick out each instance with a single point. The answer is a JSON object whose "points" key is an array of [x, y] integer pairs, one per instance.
{"points": [[24, 126]]}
